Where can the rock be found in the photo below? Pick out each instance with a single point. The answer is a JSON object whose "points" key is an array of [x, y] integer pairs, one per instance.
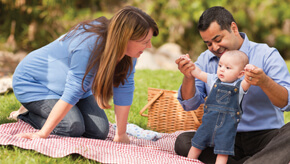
{"points": [[5, 84], [171, 50], [9, 61], [162, 58], [165, 63], [147, 61]]}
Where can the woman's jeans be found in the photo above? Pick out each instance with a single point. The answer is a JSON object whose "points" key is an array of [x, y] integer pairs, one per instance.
{"points": [[85, 119]]}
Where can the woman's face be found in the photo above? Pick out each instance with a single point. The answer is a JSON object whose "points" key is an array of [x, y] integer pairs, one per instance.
{"points": [[136, 47]]}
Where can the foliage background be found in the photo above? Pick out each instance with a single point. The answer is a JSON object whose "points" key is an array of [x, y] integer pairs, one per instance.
{"points": [[30, 24]]}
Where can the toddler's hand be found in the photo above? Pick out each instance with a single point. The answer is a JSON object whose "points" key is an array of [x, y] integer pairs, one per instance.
{"points": [[249, 67], [185, 57]]}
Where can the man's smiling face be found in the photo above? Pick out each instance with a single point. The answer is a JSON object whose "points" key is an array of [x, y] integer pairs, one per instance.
{"points": [[219, 41]]}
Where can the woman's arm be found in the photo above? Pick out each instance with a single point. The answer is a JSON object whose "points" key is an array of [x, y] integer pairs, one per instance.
{"points": [[57, 113], [121, 116]]}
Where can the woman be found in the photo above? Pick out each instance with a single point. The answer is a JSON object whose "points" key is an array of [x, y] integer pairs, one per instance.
{"points": [[66, 84]]}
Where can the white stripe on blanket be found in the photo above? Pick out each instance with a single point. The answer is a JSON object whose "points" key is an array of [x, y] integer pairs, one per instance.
{"points": [[104, 151]]}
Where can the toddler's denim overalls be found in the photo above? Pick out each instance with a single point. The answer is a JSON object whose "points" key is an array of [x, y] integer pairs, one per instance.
{"points": [[222, 113]]}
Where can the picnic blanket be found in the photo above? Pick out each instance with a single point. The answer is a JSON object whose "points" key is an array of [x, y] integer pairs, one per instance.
{"points": [[104, 151]]}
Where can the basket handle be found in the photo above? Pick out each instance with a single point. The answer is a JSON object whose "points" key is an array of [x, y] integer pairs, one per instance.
{"points": [[150, 103], [195, 119]]}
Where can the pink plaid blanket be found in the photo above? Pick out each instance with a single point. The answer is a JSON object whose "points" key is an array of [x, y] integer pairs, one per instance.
{"points": [[104, 151]]}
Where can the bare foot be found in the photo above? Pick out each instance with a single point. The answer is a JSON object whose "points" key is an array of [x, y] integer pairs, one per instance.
{"points": [[13, 115]]}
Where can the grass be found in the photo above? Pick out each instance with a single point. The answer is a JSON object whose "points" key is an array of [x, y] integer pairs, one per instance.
{"points": [[162, 79]]}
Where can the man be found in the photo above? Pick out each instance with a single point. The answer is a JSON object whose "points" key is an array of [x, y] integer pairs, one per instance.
{"points": [[262, 136]]}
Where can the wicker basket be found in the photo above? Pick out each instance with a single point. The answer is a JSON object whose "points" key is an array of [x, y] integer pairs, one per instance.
{"points": [[165, 114]]}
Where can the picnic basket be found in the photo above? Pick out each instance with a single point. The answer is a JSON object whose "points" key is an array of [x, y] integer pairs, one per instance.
{"points": [[165, 114]]}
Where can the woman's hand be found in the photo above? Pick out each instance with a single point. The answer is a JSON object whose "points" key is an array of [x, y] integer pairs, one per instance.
{"points": [[31, 135], [121, 117], [122, 138], [57, 113]]}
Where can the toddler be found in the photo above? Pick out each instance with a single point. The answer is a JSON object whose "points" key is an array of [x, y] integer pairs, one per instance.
{"points": [[222, 110]]}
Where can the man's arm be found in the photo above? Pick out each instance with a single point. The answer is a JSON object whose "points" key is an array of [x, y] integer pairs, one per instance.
{"points": [[277, 94], [188, 83]]}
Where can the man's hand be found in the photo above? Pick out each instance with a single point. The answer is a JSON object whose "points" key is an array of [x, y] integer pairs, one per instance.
{"points": [[185, 66], [275, 92], [255, 75]]}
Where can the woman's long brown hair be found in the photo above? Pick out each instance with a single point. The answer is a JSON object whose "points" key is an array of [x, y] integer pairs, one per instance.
{"points": [[107, 60]]}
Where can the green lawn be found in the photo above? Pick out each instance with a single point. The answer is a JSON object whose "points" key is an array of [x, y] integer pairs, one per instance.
{"points": [[143, 79]]}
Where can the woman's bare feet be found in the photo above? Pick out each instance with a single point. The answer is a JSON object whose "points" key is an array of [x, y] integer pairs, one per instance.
{"points": [[13, 115]]}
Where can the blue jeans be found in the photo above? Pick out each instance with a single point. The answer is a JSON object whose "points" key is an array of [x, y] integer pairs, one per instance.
{"points": [[222, 114], [85, 119]]}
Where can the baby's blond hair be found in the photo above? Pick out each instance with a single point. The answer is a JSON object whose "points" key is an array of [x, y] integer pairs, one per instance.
{"points": [[239, 56]]}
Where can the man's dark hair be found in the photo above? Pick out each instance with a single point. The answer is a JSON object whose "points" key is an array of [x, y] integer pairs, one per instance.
{"points": [[219, 14]]}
